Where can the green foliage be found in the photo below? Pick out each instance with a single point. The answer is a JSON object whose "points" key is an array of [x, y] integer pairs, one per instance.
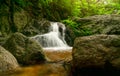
{"points": [[99, 7], [70, 23], [57, 10], [76, 28]]}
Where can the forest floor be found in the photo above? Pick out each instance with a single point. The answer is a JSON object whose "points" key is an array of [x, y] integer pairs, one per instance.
{"points": [[53, 67]]}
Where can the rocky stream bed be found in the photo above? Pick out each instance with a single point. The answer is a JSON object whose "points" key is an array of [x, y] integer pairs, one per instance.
{"points": [[55, 66]]}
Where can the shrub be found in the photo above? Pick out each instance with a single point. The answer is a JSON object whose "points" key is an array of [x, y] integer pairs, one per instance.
{"points": [[77, 29]]}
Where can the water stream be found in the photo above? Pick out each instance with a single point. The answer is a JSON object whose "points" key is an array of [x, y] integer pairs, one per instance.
{"points": [[55, 39]]}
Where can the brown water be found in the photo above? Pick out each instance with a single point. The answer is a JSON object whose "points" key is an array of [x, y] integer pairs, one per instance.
{"points": [[54, 67]]}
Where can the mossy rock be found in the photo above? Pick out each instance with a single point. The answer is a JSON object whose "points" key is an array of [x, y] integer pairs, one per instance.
{"points": [[35, 26], [101, 24], [96, 52], [26, 51]]}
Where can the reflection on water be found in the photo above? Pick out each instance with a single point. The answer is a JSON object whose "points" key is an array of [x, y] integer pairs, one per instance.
{"points": [[54, 67], [47, 69], [58, 55]]}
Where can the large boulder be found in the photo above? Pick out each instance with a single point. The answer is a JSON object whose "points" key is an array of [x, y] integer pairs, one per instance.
{"points": [[101, 24], [7, 61], [96, 53], [26, 51]]}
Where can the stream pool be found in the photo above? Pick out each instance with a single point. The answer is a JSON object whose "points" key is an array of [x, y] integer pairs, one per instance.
{"points": [[53, 67]]}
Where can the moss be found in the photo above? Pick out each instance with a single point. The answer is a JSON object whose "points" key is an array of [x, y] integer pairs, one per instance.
{"points": [[115, 42], [24, 49]]}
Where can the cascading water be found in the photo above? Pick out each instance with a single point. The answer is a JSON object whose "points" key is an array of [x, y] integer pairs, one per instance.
{"points": [[53, 39]]}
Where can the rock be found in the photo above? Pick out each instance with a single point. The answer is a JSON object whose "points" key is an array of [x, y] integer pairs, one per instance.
{"points": [[101, 24], [26, 51], [7, 61], [20, 19], [61, 28], [35, 26], [69, 36], [99, 52]]}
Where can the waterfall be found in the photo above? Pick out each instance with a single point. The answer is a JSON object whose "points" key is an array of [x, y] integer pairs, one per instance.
{"points": [[55, 38]]}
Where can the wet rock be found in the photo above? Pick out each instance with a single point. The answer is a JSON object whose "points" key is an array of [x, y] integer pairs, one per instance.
{"points": [[69, 36], [7, 61], [96, 54], [26, 51]]}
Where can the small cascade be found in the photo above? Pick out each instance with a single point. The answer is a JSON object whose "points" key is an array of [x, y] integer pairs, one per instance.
{"points": [[55, 38]]}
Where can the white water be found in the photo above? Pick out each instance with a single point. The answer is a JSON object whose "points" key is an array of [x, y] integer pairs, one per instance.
{"points": [[54, 39]]}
